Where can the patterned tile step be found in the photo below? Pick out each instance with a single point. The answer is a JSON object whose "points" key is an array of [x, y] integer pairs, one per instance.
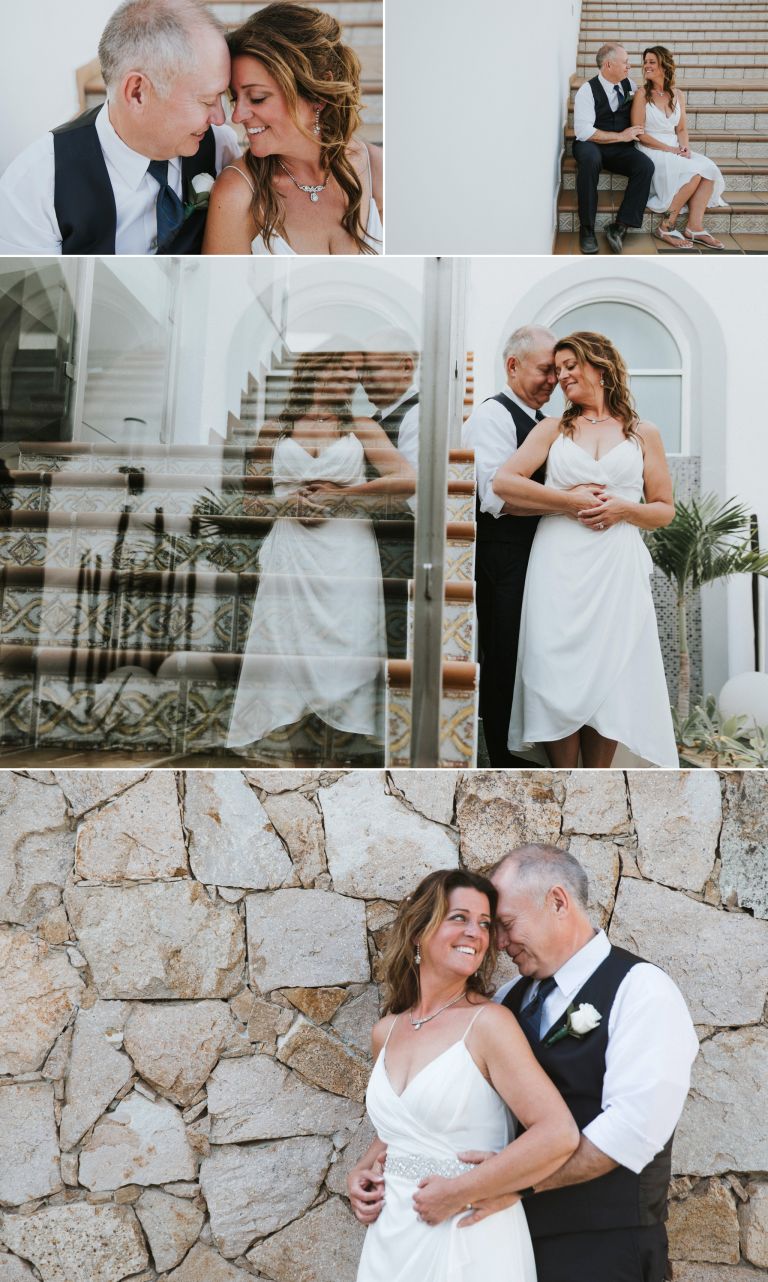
{"points": [[740, 175], [458, 715], [718, 142], [644, 243]]}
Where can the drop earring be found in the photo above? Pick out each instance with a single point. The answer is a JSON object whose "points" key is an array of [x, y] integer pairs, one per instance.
{"points": [[417, 958], [602, 381], [317, 121]]}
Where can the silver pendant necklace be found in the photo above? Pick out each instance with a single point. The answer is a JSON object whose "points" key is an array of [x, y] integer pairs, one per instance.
{"points": [[312, 191], [417, 1023], [597, 420]]}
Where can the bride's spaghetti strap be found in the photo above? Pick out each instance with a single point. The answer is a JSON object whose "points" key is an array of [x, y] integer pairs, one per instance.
{"points": [[242, 175]]}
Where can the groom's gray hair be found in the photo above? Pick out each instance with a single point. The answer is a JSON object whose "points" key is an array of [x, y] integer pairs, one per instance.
{"points": [[606, 53], [523, 340], [152, 36], [541, 867]]}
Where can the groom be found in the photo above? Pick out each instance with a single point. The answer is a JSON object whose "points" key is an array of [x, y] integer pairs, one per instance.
{"points": [[605, 139], [621, 1060], [119, 179]]}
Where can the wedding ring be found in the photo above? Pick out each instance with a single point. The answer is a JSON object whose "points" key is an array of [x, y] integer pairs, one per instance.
{"points": [[469, 1207], [600, 526]]}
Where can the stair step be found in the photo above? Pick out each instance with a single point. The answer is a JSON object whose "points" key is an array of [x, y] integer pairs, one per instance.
{"points": [[718, 142], [736, 119], [704, 93], [693, 67], [741, 176]]}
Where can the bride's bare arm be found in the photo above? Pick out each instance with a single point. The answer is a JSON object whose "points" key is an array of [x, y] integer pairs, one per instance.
{"points": [[229, 225], [365, 1182], [525, 497], [658, 509], [396, 476], [501, 1050]]}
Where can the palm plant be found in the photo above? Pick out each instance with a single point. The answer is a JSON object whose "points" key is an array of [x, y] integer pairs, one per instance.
{"points": [[708, 540]]}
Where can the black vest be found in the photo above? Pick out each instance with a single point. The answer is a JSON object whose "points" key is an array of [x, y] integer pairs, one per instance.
{"points": [[391, 422], [611, 122], [619, 1199], [85, 202], [518, 530]]}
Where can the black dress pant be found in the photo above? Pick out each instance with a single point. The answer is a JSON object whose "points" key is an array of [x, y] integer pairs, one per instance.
{"points": [[612, 1255], [617, 158], [500, 581]]}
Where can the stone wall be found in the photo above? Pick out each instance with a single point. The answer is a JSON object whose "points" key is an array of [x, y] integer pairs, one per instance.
{"points": [[188, 968]]}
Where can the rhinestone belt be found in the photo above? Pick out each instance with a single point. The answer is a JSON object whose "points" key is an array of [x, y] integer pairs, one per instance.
{"points": [[412, 1166]]}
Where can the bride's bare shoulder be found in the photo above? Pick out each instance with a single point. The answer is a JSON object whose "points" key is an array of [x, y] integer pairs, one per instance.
{"points": [[380, 1032]]}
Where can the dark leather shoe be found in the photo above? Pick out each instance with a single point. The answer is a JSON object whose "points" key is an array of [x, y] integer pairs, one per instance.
{"points": [[587, 241], [614, 234]]}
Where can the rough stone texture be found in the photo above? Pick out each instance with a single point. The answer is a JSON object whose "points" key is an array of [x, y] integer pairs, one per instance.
{"points": [[98, 1069], [431, 792], [39, 991], [136, 837], [324, 1060], [79, 1242], [723, 1123], [704, 1226], [498, 810], [141, 1142], [715, 1273], [172, 1226], [677, 815], [267, 1022], [203, 1264], [595, 803], [601, 861], [322, 1247], [29, 1146], [318, 1004], [259, 1099], [744, 844], [12, 1269], [274, 781], [753, 1219], [163, 939], [309, 938], [85, 789], [301, 827], [354, 1022], [719, 960], [374, 844], [336, 1179], [36, 848], [175, 1047], [256, 1189], [231, 841]]}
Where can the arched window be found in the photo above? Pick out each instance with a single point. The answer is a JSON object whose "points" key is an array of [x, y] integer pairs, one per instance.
{"points": [[652, 356]]}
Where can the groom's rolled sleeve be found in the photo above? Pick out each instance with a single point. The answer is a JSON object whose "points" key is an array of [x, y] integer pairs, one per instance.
{"points": [[651, 1046], [584, 114], [28, 222], [490, 432]]}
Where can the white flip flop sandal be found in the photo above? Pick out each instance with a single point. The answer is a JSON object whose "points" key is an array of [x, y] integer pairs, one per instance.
{"points": [[700, 236], [675, 238]]}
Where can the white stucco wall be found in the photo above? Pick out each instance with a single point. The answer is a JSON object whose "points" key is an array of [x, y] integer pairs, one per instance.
{"points": [[43, 45], [474, 113]]}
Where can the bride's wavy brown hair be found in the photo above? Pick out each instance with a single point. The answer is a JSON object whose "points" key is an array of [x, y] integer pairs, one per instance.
{"points": [[599, 352], [302, 49], [667, 64], [301, 393], [418, 917]]}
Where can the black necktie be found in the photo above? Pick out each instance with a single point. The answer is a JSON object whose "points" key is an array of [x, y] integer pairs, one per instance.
{"points": [[377, 416], [170, 211], [531, 1014], [619, 97], [539, 416]]}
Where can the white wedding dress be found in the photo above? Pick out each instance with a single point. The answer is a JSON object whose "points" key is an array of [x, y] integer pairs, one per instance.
{"points": [[447, 1108], [670, 171], [589, 652], [317, 640]]}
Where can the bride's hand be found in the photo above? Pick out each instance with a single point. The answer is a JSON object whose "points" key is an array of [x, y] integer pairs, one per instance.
{"points": [[583, 496], [436, 1199], [489, 1207], [366, 1193], [602, 515]]}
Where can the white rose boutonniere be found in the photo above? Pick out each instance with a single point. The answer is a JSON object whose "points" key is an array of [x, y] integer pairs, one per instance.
{"points": [[199, 193], [578, 1024]]}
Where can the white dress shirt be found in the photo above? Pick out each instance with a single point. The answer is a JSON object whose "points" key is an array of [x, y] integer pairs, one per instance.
{"points": [[408, 434], [584, 107], [490, 431], [651, 1046], [28, 223]]}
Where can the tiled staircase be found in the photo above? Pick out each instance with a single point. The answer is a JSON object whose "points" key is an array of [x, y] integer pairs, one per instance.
{"points": [[127, 584], [721, 51], [361, 21]]}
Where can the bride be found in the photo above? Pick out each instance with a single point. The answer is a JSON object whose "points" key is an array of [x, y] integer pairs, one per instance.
{"points": [[317, 644], [681, 176], [589, 668], [449, 1065], [306, 184]]}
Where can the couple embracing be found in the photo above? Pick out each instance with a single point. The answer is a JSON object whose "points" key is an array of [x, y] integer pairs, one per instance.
{"points": [[569, 647], [138, 175], [643, 134], [526, 1138]]}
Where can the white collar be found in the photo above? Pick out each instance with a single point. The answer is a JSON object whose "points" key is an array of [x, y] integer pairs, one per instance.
{"points": [[574, 973], [411, 391], [608, 85], [527, 409], [130, 165]]}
